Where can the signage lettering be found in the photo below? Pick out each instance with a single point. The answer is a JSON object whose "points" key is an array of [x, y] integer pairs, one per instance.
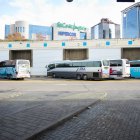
{"points": [[67, 33], [64, 25]]}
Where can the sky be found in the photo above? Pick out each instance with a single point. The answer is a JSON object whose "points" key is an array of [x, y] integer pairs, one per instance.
{"points": [[46, 12]]}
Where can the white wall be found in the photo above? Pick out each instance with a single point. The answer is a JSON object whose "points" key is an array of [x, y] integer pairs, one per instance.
{"points": [[4, 55], [22, 24], [43, 57], [104, 53]]}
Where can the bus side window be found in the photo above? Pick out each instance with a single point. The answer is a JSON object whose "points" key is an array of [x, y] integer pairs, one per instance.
{"points": [[115, 63], [119, 62], [67, 65], [77, 64], [134, 65], [90, 64], [112, 63], [2, 64]]}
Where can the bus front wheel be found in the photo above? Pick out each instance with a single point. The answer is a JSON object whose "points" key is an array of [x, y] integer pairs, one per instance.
{"points": [[54, 76], [9, 76], [78, 77], [84, 77]]}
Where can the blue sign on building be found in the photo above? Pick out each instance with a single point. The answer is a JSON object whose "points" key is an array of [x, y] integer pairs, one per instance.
{"points": [[28, 45], [66, 33], [107, 43], [84, 43], [10, 45], [45, 44], [130, 42], [63, 44]]}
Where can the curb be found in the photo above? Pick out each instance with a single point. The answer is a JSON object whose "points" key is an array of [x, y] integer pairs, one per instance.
{"points": [[66, 118]]}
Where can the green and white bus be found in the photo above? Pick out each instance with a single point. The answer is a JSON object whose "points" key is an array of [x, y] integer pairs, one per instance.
{"points": [[79, 69]]}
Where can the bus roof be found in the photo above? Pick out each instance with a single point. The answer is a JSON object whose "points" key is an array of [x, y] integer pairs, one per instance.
{"points": [[70, 61], [12, 62], [134, 61]]}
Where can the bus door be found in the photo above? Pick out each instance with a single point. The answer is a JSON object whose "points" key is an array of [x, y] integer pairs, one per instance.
{"points": [[105, 69], [126, 68]]}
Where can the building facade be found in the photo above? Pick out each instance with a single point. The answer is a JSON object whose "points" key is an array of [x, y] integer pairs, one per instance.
{"points": [[105, 29], [131, 21], [63, 31], [37, 32], [58, 31], [28, 31], [41, 53]]}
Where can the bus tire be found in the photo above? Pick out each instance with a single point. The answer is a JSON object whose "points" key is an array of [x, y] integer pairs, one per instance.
{"points": [[53, 75], [9, 76], [84, 77], [21, 78], [78, 77]]}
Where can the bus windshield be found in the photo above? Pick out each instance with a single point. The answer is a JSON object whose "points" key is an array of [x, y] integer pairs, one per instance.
{"points": [[23, 62], [106, 63]]}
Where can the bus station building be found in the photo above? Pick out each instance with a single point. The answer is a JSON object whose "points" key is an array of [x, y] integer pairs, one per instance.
{"points": [[41, 53]]}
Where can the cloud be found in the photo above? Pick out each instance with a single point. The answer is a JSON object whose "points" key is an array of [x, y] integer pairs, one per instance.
{"points": [[81, 12]]}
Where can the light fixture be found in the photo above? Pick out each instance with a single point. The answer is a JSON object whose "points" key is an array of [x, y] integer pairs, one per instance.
{"points": [[69, 0]]}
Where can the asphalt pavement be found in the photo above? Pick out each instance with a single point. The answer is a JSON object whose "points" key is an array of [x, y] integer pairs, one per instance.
{"points": [[26, 113]]}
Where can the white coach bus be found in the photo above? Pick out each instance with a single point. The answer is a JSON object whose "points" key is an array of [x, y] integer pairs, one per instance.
{"points": [[119, 68], [80, 69]]}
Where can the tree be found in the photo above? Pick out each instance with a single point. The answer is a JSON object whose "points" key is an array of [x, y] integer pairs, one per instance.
{"points": [[15, 37], [40, 37]]}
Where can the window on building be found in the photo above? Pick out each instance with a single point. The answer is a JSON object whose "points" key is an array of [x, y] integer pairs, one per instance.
{"points": [[23, 29], [104, 32], [20, 29], [110, 34]]}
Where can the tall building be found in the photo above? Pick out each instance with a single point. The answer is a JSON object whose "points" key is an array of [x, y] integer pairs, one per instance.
{"points": [[31, 32], [105, 29], [131, 21]]}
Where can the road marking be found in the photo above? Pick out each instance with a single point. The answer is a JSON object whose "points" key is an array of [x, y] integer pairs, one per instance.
{"points": [[104, 96], [85, 95]]}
